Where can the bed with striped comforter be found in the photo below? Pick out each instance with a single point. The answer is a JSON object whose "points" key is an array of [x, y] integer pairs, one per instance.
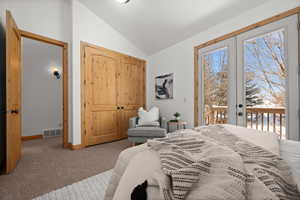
{"points": [[212, 163]]}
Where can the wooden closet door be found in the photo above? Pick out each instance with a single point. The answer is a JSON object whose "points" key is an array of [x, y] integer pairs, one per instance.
{"points": [[131, 90], [101, 118]]}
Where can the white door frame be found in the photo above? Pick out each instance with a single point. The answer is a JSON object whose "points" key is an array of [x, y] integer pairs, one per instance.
{"points": [[290, 26]]}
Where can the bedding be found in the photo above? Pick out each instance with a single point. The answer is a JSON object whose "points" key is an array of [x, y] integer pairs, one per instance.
{"points": [[128, 159], [264, 139], [120, 167], [290, 152], [136, 173]]}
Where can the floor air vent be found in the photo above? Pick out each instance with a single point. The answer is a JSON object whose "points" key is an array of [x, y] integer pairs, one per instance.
{"points": [[52, 132]]}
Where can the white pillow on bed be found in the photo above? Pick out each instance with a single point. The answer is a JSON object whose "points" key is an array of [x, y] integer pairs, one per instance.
{"points": [[148, 117], [267, 140], [141, 167]]}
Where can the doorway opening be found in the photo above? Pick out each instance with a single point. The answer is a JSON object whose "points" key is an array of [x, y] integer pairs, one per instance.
{"points": [[13, 83], [44, 88]]}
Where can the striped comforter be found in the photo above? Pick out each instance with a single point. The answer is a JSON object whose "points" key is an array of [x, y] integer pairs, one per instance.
{"points": [[218, 165]]}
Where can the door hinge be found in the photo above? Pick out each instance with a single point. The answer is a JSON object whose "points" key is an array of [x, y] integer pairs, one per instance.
{"points": [[298, 25]]}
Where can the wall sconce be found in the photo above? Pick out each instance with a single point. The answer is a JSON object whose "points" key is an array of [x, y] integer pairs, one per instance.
{"points": [[56, 73]]}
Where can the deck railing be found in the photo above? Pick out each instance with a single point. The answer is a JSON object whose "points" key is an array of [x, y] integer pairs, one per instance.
{"points": [[265, 119]]}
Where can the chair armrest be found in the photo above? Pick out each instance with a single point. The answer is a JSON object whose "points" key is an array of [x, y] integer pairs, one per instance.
{"points": [[132, 122], [163, 122]]}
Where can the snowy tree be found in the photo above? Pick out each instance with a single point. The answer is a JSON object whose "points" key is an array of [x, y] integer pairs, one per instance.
{"points": [[252, 94]]}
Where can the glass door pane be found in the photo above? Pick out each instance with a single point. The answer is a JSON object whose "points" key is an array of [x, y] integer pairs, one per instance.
{"points": [[263, 81], [217, 72], [215, 86], [265, 73]]}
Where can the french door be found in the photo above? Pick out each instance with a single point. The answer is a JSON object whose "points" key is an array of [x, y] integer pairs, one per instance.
{"points": [[218, 85], [251, 80], [267, 60]]}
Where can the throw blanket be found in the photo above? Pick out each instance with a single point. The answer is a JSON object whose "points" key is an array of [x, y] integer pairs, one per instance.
{"points": [[213, 164]]}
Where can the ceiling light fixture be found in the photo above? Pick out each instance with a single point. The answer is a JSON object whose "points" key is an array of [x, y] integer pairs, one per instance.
{"points": [[123, 1]]}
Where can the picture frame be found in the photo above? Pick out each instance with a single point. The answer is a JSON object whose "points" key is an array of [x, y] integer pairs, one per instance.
{"points": [[164, 86]]}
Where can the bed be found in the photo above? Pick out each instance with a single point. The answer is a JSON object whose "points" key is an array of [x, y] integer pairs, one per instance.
{"points": [[122, 181]]}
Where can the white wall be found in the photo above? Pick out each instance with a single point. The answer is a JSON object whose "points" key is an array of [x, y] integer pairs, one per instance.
{"points": [[41, 91], [48, 18], [89, 28], [180, 59]]}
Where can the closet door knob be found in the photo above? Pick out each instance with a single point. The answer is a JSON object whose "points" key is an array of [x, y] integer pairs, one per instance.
{"points": [[122, 107], [118, 107], [16, 111]]}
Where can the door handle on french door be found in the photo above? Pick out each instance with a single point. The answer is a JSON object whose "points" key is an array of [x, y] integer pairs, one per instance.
{"points": [[240, 114], [240, 105]]}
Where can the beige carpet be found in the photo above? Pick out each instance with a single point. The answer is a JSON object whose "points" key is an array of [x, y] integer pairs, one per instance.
{"points": [[45, 167]]}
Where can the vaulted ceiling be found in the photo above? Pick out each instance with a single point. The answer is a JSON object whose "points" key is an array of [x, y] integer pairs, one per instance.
{"points": [[153, 25]]}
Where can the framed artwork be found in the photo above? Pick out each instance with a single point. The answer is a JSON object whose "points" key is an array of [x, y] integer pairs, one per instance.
{"points": [[164, 86]]}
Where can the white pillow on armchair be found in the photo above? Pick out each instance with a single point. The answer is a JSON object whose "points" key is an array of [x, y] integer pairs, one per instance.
{"points": [[148, 117]]}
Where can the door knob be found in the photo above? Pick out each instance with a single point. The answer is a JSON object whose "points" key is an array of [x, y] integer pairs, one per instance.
{"points": [[122, 107], [16, 111], [240, 105], [118, 107], [240, 114]]}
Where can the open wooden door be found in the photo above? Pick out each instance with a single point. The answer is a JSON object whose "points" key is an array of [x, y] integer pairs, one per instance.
{"points": [[13, 93]]}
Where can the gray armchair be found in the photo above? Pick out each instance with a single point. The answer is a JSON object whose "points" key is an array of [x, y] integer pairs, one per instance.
{"points": [[140, 134]]}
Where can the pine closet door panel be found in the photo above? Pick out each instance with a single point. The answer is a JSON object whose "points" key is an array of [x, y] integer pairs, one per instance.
{"points": [[131, 82], [131, 90], [101, 114]]}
